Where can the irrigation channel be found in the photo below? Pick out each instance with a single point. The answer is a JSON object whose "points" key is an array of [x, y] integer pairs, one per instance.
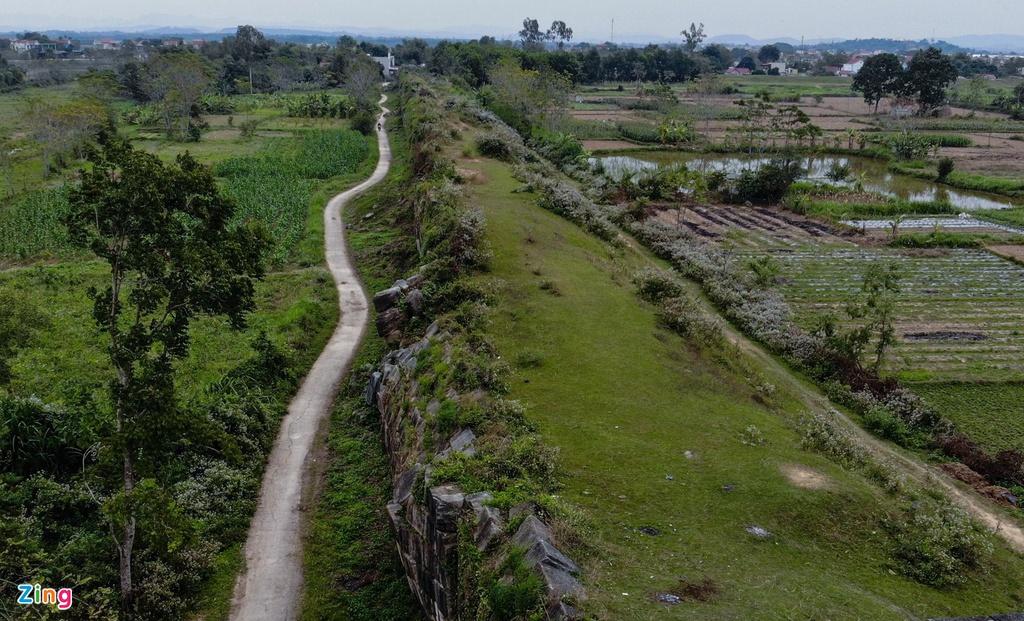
{"points": [[872, 175]]}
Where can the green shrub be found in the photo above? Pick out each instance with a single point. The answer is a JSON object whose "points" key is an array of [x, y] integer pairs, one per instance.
{"points": [[686, 317], [946, 166], [364, 122], [766, 184], [655, 285], [515, 592], [938, 545]]}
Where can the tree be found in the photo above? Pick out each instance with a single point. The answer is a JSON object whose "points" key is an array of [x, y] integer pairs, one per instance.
{"points": [[248, 45], [769, 54], [412, 51], [60, 128], [531, 36], [747, 63], [927, 76], [881, 287], [10, 77], [880, 77], [693, 36], [363, 83], [559, 32], [719, 56], [165, 232], [179, 78]]}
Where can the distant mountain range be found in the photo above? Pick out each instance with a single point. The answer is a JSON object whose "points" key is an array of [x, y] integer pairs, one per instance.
{"points": [[996, 43]]}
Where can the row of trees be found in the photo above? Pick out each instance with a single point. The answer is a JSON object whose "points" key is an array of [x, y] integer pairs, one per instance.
{"points": [[924, 81]]}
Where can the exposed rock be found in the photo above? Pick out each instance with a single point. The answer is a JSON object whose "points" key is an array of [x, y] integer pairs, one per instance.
{"points": [[667, 598], [389, 322], [388, 298], [759, 532], [462, 442], [415, 300], [999, 494], [427, 529]]}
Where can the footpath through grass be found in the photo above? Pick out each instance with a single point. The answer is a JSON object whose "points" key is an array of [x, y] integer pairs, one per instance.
{"points": [[673, 456]]}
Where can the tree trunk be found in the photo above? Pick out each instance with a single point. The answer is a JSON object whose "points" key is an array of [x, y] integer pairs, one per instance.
{"points": [[125, 547]]}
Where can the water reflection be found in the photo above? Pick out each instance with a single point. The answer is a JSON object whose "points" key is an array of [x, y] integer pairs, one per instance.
{"points": [[874, 176]]}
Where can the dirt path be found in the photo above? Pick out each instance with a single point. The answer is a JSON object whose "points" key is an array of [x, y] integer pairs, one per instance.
{"points": [[270, 586], [925, 475]]}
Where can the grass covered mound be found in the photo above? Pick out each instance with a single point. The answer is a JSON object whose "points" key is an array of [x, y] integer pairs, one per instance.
{"points": [[691, 461]]}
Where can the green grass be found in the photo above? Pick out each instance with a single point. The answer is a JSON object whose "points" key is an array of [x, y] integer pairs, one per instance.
{"points": [[967, 181], [215, 599], [623, 399], [990, 414], [792, 85], [1013, 216]]}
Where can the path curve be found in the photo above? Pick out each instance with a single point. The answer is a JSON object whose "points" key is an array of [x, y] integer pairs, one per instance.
{"points": [[270, 585]]}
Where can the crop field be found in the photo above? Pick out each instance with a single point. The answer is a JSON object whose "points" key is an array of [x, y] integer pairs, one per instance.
{"points": [[991, 414], [959, 309]]}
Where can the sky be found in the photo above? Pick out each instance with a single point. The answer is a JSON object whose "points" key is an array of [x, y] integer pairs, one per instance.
{"points": [[590, 19]]}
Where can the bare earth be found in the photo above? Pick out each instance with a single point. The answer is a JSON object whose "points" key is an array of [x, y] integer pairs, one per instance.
{"points": [[270, 587]]}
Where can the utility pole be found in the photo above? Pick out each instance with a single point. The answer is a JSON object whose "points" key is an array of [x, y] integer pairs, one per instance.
{"points": [[613, 30]]}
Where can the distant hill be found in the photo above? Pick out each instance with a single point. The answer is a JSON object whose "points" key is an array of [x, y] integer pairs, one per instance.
{"points": [[1004, 43], [856, 45]]}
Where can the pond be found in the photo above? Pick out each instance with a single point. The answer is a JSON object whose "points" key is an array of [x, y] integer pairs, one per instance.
{"points": [[873, 175]]}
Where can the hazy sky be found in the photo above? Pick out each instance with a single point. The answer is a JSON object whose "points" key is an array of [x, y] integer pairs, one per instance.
{"points": [[591, 19]]}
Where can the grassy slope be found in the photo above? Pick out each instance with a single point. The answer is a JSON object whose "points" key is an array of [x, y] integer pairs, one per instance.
{"points": [[624, 399], [352, 569]]}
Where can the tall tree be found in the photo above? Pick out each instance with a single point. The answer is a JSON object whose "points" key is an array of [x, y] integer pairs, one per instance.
{"points": [[166, 234], [693, 36], [560, 32], [178, 80], [881, 76], [531, 35], [363, 82], [769, 54], [928, 75], [249, 46]]}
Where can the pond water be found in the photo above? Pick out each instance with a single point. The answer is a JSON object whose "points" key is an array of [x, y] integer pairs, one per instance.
{"points": [[873, 175]]}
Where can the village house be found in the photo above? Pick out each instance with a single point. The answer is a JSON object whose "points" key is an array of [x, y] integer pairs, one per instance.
{"points": [[387, 64], [24, 45], [106, 44]]}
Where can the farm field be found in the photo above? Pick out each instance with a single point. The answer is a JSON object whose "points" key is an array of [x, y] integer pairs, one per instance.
{"points": [[990, 413], [959, 309], [829, 103], [279, 176]]}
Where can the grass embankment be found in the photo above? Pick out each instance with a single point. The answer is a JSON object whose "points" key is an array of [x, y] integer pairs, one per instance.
{"points": [[966, 181], [352, 570], [626, 401]]}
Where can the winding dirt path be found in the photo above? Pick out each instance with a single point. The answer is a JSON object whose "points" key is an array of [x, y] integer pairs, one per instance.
{"points": [[270, 586]]}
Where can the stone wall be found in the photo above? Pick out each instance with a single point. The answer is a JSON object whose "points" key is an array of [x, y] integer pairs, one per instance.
{"points": [[426, 514]]}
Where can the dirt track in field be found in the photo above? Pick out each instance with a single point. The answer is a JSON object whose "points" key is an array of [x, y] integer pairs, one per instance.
{"points": [[270, 586]]}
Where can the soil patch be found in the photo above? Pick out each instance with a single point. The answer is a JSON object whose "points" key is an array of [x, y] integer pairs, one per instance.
{"points": [[804, 477]]}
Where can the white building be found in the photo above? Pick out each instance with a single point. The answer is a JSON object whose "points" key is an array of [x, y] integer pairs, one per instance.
{"points": [[387, 64], [24, 45], [851, 68]]}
